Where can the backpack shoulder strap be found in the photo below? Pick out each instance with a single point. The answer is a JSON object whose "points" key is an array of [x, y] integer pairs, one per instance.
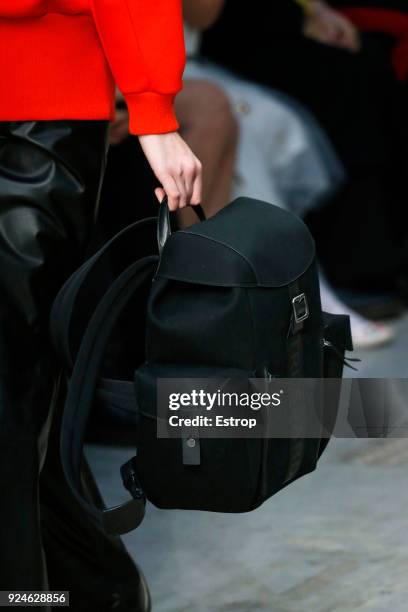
{"points": [[128, 516], [79, 296]]}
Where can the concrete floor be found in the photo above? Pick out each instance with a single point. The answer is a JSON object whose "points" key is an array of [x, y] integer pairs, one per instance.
{"points": [[335, 541]]}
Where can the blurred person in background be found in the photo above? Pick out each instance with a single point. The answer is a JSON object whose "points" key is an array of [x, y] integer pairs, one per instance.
{"points": [[283, 157], [384, 24], [383, 27], [59, 62], [316, 54]]}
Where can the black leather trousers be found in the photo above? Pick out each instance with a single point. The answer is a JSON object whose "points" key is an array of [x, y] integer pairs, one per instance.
{"points": [[50, 176]]}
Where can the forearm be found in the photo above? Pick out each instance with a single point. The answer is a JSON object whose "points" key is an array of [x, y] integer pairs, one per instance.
{"points": [[201, 14]]}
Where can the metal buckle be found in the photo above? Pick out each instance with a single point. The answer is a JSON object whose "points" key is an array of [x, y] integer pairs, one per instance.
{"points": [[300, 308]]}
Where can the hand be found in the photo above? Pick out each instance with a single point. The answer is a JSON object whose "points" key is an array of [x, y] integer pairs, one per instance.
{"points": [[176, 167], [329, 27]]}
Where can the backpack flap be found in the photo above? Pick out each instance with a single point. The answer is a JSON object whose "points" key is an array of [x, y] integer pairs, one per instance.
{"points": [[247, 244]]}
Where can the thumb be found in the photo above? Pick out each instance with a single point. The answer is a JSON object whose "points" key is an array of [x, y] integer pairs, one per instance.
{"points": [[160, 193]]}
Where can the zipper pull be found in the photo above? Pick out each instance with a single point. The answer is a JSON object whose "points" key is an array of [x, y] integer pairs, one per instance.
{"points": [[343, 359]]}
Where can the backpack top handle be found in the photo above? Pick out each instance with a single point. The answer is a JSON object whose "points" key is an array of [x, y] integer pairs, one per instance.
{"points": [[164, 224]]}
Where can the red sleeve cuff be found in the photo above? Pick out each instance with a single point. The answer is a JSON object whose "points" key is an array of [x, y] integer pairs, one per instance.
{"points": [[151, 113]]}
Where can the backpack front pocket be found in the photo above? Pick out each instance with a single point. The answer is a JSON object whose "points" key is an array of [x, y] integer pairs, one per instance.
{"points": [[189, 471]]}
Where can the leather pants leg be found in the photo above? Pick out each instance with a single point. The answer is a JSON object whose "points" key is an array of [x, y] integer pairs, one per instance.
{"points": [[50, 176]]}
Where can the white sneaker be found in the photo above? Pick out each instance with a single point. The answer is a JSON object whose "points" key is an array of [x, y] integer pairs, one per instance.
{"points": [[367, 334]]}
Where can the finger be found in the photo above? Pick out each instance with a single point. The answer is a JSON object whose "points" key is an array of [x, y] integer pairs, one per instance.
{"points": [[197, 196], [172, 191], [179, 180], [160, 193], [190, 173], [188, 187]]}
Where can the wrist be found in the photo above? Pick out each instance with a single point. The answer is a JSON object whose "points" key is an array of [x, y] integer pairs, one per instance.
{"points": [[160, 135]]}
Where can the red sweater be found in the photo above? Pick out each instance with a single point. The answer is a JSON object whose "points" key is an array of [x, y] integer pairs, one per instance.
{"points": [[59, 59]]}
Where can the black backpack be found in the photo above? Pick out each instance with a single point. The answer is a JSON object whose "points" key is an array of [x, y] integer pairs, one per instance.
{"points": [[233, 297]]}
